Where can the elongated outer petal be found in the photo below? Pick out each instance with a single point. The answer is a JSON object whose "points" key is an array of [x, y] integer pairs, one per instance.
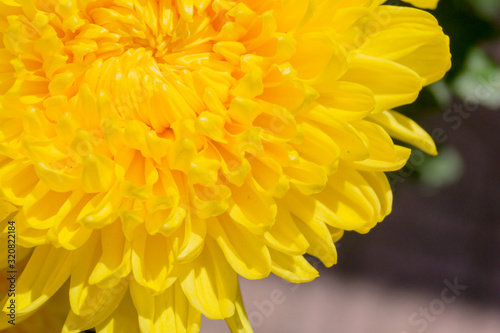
{"points": [[194, 233], [284, 236], [346, 100], [46, 271], [247, 254], [308, 177], [292, 268], [251, 208], [310, 217], [49, 316], [29, 237], [351, 144], [239, 322], [403, 128], [427, 52], [356, 205], [123, 320], [391, 83], [169, 312], [152, 261], [42, 206], [384, 155], [114, 262], [66, 232], [210, 283], [318, 147], [90, 304], [380, 185]]}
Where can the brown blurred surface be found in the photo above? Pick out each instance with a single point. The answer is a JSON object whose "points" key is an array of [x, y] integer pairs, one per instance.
{"points": [[334, 304]]}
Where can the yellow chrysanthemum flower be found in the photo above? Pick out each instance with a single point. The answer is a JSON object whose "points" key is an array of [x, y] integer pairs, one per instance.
{"points": [[152, 151]]}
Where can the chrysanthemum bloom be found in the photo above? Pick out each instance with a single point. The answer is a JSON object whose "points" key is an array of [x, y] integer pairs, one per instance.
{"points": [[152, 151]]}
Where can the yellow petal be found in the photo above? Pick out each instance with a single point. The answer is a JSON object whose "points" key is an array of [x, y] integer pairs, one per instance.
{"points": [[380, 184], [239, 323], [430, 4], [203, 170], [295, 269], [194, 238], [230, 50], [403, 128], [57, 180], [307, 177], [210, 283], [46, 271], [346, 100], [348, 139], [42, 150], [356, 204], [29, 237], [6, 210], [252, 209], [318, 55], [244, 110], [284, 236], [310, 217], [384, 155], [247, 254], [42, 206], [90, 304], [211, 200], [152, 261], [249, 86], [100, 210], [114, 262], [234, 166], [392, 84], [122, 320], [18, 179], [97, 173], [269, 177], [318, 147], [426, 52], [211, 125], [166, 312]]}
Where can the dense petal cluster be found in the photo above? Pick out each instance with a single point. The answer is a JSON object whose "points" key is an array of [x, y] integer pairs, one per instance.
{"points": [[152, 151]]}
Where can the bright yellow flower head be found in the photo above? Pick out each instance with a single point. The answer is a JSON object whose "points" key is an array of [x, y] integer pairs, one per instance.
{"points": [[152, 151]]}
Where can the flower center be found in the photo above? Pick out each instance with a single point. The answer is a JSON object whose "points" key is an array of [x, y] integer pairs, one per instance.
{"points": [[160, 63]]}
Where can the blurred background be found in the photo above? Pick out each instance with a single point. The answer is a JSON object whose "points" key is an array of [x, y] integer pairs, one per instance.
{"points": [[434, 264]]}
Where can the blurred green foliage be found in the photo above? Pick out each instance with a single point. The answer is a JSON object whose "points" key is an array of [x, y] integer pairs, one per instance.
{"points": [[480, 71], [442, 170]]}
